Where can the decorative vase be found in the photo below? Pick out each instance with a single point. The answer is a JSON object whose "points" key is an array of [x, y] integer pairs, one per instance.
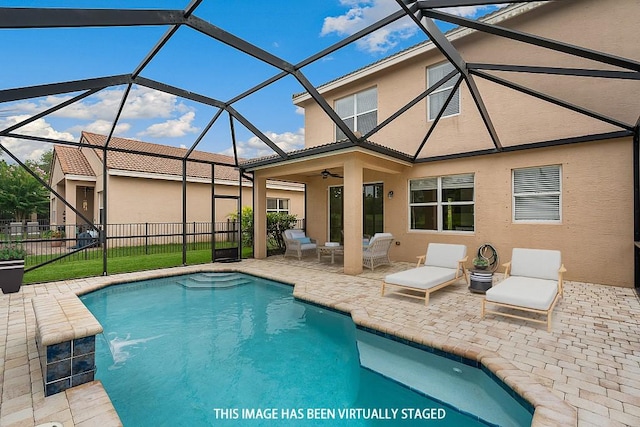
{"points": [[11, 273]]}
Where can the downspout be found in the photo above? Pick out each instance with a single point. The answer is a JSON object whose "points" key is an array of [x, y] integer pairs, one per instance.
{"points": [[636, 207]]}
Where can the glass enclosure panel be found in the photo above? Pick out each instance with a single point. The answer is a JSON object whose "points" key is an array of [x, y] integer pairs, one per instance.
{"points": [[457, 217]]}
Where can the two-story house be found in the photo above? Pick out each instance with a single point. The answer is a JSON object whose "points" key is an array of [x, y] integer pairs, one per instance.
{"points": [[517, 130]]}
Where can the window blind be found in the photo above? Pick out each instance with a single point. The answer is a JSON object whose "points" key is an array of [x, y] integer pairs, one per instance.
{"points": [[537, 193]]}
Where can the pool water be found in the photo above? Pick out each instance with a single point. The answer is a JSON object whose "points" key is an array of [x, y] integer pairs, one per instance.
{"points": [[233, 350]]}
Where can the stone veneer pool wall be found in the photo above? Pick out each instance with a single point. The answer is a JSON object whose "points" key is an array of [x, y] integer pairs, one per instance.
{"points": [[66, 339]]}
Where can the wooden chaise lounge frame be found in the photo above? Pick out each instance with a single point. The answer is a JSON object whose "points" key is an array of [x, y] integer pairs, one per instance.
{"points": [[547, 312], [422, 259]]}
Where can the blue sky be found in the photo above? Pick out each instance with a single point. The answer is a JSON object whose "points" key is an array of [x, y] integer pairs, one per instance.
{"points": [[291, 30]]}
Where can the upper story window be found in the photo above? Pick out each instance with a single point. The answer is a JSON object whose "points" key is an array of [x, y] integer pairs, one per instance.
{"points": [[437, 99], [444, 203], [278, 205], [359, 111], [537, 194]]}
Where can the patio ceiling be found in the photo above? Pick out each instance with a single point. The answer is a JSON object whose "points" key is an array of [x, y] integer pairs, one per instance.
{"points": [[424, 15]]}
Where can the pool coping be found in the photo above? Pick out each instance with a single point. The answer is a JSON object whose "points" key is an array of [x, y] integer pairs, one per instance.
{"points": [[549, 409]]}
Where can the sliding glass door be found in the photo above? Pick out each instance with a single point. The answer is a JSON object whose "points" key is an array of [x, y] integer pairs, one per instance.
{"points": [[373, 211]]}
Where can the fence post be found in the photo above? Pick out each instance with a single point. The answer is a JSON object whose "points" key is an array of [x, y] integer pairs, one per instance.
{"points": [[146, 238]]}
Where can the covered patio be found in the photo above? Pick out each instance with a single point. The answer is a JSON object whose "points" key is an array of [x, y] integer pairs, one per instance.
{"points": [[349, 168]]}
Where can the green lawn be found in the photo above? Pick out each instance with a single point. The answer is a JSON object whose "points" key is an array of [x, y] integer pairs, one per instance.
{"points": [[74, 269]]}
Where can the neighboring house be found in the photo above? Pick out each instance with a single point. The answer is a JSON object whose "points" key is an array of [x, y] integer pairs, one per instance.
{"points": [[145, 189], [525, 172]]}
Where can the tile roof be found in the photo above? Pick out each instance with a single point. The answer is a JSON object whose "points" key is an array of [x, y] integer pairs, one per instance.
{"points": [[72, 161], [150, 164]]}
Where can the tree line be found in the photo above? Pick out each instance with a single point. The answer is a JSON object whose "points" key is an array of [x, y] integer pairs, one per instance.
{"points": [[22, 195]]}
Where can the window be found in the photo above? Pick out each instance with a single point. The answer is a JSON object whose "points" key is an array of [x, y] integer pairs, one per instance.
{"points": [[443, 203], [278, 205], [359, 112], [437, 99], [536, 194]]}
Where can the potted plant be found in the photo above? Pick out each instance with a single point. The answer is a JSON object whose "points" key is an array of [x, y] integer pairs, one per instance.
{"points": [[11, 267], [56, 237], [480, 263]]}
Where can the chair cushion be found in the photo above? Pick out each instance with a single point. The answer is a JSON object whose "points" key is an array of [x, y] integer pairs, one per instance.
{"points": [[303, 240], [444, 255], [422, 277], [306, 246], [538, 263], [294, 234], [526, 292]]}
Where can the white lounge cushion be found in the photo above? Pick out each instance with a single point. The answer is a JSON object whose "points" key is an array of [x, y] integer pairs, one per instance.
{"points": [[422, 277], [526, 292], [444, 255], [538, 263]]}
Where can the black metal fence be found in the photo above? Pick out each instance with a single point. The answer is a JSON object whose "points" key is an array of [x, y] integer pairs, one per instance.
{"points": [[46, 243]]}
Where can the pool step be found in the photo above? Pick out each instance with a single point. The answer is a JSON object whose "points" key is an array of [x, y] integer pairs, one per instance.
{"points": [[214, 280]]}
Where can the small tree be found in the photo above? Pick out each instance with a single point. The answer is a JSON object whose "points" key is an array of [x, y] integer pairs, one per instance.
{"points": [[277, 222], [20, 193]]}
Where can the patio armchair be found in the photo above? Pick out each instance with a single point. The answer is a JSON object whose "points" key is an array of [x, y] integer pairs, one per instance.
{"points": [[296, 243], [442, 266], [532, 284], [377, 250]]}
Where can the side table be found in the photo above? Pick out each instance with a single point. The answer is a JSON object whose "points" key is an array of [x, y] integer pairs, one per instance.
{"points": [[480, 281], [329, 250]]}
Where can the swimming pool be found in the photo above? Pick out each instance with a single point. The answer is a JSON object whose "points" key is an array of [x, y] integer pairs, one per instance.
{"points": [[223, 348]]}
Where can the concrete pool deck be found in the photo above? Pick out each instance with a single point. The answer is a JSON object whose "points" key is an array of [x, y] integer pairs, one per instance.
{"points": [[586, 371]]}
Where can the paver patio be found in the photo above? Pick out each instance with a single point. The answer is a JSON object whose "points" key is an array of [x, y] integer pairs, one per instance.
{"points": [[590, 360]]}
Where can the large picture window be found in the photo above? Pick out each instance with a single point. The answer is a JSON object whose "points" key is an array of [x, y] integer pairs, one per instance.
{"points": [[437, 99], [537, 194], [358, 111], [443, 203]]}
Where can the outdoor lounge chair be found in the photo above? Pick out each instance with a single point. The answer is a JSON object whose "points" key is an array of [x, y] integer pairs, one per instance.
{"points": [[296, 243], [443, 265], [377, 251], [533, 284]]}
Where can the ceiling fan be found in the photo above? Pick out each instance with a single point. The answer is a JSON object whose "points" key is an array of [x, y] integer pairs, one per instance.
{"points": [[326, 174]]}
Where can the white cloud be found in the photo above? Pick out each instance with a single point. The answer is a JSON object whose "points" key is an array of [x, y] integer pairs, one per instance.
{"points": [[468, 11], [173, 128], [26, 149], [142, 103], [255, 147], [102, 127], [362, 13]]}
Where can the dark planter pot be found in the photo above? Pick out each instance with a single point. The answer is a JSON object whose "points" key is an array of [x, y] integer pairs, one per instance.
{"points": [[11, 273]]}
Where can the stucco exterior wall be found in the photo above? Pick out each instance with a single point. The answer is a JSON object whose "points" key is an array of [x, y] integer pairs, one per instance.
{"points": [[595, 234], [134, 200], [518, 118]]}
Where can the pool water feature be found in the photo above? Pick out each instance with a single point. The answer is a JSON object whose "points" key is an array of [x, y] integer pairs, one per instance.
{"points": [[219, 348]]}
